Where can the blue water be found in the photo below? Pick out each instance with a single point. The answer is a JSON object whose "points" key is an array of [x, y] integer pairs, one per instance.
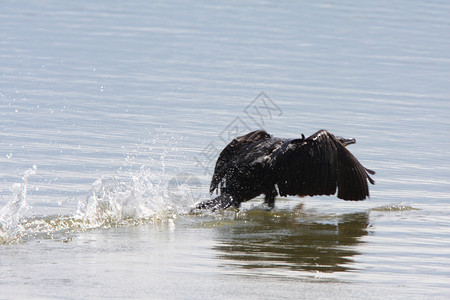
{"points": [[112, 116]]}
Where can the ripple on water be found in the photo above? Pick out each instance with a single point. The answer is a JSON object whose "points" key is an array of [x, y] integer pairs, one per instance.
{"points": [[394, 207]]}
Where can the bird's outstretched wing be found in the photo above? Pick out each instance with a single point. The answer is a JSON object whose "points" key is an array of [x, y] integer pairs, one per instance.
{"points": [[229, 153], [318, 165]]}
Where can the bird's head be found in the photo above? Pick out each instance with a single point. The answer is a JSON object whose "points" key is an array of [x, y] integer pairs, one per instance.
{"points": [[345, 141]]}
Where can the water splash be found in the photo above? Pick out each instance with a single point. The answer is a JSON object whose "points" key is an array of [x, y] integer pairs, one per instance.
{"points": [[135, 197], [128, 198], [11, 213]]}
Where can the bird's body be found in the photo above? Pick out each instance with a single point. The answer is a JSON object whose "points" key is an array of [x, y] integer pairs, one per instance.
{"points": [[258, 163]]}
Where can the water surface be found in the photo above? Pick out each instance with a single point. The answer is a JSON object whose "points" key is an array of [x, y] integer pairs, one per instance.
{"points": [[112, 115]]}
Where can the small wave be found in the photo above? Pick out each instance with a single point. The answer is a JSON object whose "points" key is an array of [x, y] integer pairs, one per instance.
{"points": [[394, 207]]}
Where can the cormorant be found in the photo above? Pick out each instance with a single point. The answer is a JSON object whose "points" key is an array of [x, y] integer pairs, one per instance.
{"points": [[257, 163]]}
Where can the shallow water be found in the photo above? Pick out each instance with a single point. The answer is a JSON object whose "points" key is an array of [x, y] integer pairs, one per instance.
{"points": [[113, 114]]}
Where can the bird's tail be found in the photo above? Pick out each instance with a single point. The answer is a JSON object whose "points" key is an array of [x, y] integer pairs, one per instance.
{"points": [[222, 201]]}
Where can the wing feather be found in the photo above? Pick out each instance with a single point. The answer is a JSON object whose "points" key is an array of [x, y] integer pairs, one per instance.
{"points": [[319, 165]]}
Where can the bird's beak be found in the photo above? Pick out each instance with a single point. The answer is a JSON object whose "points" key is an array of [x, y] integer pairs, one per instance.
{"points": [[347, 142]]}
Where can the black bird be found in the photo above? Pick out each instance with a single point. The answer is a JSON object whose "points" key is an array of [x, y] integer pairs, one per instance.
{"points": [[255, 163]]}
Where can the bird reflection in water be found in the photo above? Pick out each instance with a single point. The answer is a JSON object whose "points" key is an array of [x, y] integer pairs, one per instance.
{"points": [[288, 240]]}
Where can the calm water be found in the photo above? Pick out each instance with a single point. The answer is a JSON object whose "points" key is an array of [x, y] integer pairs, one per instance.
{"points": [[112, 114]]}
